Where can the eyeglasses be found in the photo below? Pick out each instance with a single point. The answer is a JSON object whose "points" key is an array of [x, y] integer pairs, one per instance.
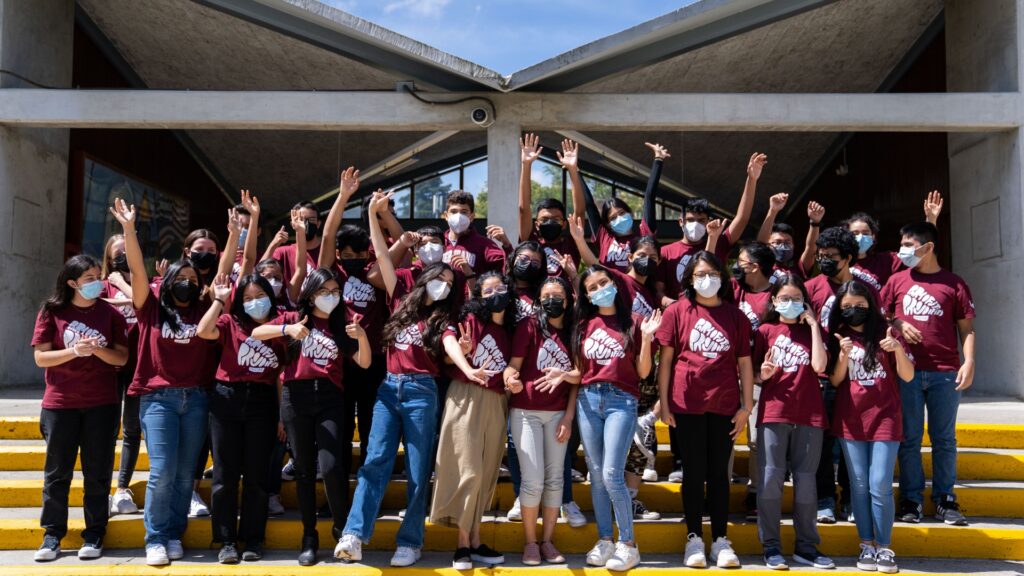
{"points": [[335, 292], [788, 299], [703, 275], [833, 257], [492, 291]]}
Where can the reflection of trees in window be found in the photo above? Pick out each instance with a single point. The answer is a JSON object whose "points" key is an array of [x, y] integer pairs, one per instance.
{"points": [[539, 191], [635, 202], [401, 199]]}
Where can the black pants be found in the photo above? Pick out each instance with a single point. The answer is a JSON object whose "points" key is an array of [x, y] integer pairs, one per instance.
{"points": [[131, 430], [312, 414], [828, 474], [677, 450], [243, 423], [706, 446], [94, 431], [204, 457], [277, 452], [358, 400]]}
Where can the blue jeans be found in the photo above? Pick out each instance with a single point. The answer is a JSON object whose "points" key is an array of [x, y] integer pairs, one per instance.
{"points": [[406, 409], [174, 424], [871, 466], [935, 391], [607, 419]]}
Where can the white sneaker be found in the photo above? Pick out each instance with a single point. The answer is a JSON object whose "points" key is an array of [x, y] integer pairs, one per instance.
{"points": [[694, 555], [723, 555], [401, 513], [676, 477], [349, 548], [515, 514], [197, 507], [405, 556], [156, 555], [122, 502], [90, 550], [573, 515], [49, 550], [601, 553], [175, 551], [274, 506], [625, 557], [650, 475]]}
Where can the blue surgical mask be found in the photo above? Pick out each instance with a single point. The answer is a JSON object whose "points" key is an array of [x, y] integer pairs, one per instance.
{"points": [[909, 257], [790, 310], [257, 308], [91, 290], [604, 296], [864, 242], [242, 237], [622, 224]]}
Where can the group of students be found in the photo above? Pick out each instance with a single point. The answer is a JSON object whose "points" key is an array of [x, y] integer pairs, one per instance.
{"points": [[457, 344]]}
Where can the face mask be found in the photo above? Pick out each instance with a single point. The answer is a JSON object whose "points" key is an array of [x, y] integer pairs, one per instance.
{"points": [[459, 223], [855, 316], [737, 272], [783, 252], [908, 257], [496, 302], [258, 308], [694, 231], [549, 230], [203, 260], [622, 224], [242, 237], [91, 290], [604, 296], [119, 263], [311, 230], [326, 303], [790, 310], [430, 253], [828, 267], [707, 286], [275, 285], [438, 289], [353, 266], [553, 307], [864, 242], [185, 291], [527, 270], [642, 265]]}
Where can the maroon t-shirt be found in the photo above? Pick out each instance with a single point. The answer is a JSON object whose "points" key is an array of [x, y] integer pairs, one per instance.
{"points": [[793, 394], [932, 303], [245, 359], [539, 352], [752, 304], [876, 268], [407, 354], [525, 306], [708, 343], [319, 355], [286, 256], [491, 350], [83, 382], [564, 245], [641, 298], [822, 293], [675, 257], [481, 253], [606, 357], [867, 405], [370, 303], [168, 358], [795, 269], [127, 310]]}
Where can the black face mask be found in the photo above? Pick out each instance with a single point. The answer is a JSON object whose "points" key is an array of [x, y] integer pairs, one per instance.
{"points": [[119, 263], [855, 316], [311, 230], [353, 266], [738, 273], [185, 291], [527, 270], [496, 302], [828, 267], [642, 265], [203, 260], [549, 230], [553, 307]]}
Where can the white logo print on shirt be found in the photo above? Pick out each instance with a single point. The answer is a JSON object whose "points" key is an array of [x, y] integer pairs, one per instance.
{"points": [[358, 293], [681, 267], [826, 311], [487, 355], [788, 355], [523, 309], [76, 330], [744, 306], [409, 336], [551, 355], [468, 256], [920, 304], [865, 277], [707, 339], [857, 372], [320, 347], [256, 356], [126, 310], [641, 307], [618, 255], [184, 334], [602, 348]]}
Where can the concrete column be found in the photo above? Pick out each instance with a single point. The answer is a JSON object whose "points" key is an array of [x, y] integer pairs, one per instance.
{"points": [[986, 174], [35, 42], [503, 176]]}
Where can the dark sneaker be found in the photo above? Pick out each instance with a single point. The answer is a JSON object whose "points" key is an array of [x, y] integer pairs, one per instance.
{"points": [[948, 511], [866, 560], [462, 559], [750, 505], [253, 552], [228, 554], [910, 512], [774, 559], [485, 555], [815, 559], [640, 512], [49, 551], [885, 560]]}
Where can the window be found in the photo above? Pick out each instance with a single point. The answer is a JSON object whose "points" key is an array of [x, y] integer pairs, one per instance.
{"points": [[546, 182]]}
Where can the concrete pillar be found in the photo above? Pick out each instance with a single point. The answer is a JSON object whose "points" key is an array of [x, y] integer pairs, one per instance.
{"points": [[503, 176], [986, 174], [35, 42]]}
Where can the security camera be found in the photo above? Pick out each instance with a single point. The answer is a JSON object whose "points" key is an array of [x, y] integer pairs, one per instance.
{"points": [[481, 117]]}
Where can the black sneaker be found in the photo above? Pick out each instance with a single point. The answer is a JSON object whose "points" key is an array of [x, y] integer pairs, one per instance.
{"points": [[49, 551], [253, 552], [750, 505], [485, 555], [910, 512], [463, 559], [228, 554], [815, 559], [866, 560], [885, 560], [948, 511]]}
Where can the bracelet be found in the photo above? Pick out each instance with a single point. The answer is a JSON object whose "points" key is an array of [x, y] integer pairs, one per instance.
{"points": [[815, 224], [75, 350], [283, 327], [222, 303]]}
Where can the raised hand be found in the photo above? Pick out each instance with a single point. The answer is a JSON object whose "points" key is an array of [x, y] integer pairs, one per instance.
{"points": [[355, 330], [280, 237], [660, 152], [380, 201], [567, 264], [569, 155], [298, 331], [716, 227], [409, 239], [161, 266], [756, 164], [933, 206], [465, 342], [576, 227], [234, 221], [845, 345], [222, 287], [649, 327], [123, 213], [497, 233], [298, 223], [889, 343], [530, 148], [251, 204], [349, 181], [815, 211], [777, 202]]}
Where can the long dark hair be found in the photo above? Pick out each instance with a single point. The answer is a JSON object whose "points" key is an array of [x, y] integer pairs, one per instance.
{"points": [[585, 310], [771, 315], [874, 327], [72, 270], [169, 311], [570, 304], [436, 315], [651, 242], [476, 306], [305, 306], [606, 210], [686, 283], [238, 302]]}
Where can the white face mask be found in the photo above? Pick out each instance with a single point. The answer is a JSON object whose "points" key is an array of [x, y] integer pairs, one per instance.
{"points": [[707, 286], [459, 223], [276, 285], [438, 289], [326, 303], [430, 253], [694, 231]]}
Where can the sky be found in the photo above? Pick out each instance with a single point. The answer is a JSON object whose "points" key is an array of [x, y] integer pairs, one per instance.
{"points": [[507, 35]]}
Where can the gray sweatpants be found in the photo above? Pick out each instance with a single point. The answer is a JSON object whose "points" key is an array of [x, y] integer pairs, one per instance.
{"points": [[802, 444]]}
